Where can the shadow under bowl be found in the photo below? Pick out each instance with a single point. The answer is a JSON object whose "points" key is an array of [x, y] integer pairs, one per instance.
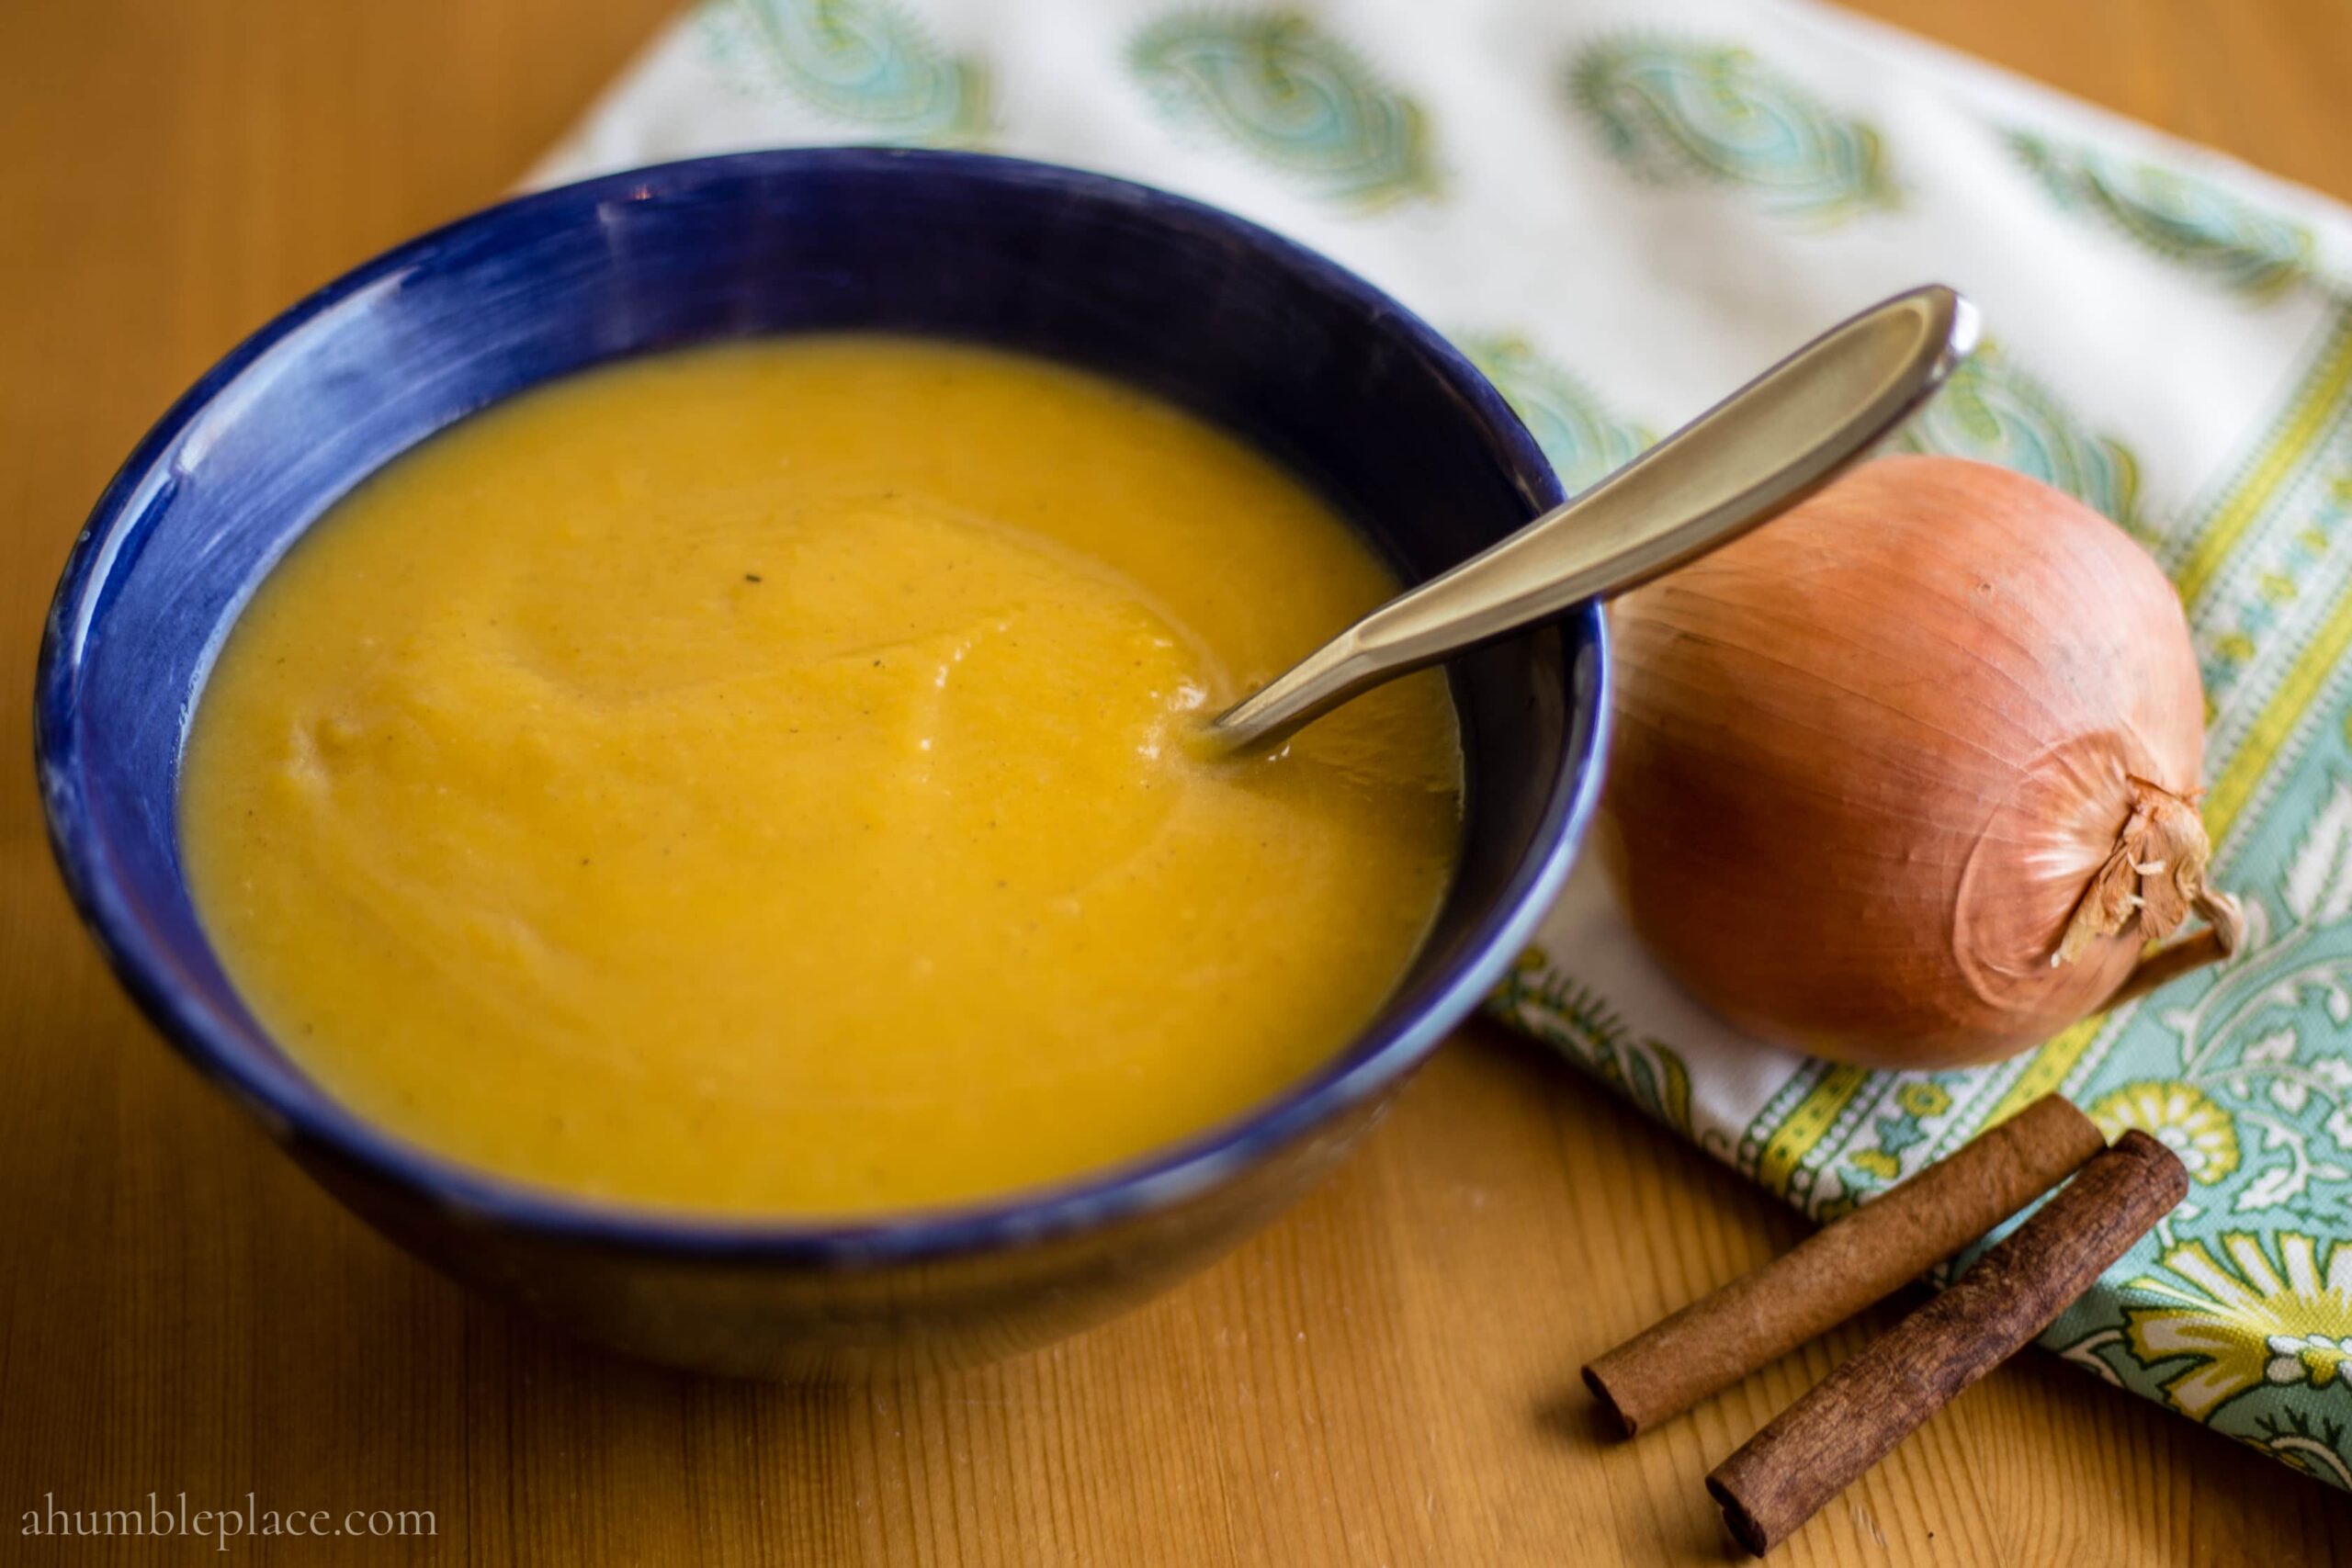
{"points": [[1259, 336]]}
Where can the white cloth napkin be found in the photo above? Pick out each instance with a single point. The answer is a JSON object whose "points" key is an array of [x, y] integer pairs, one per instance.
{"points": [[1624, 207]]}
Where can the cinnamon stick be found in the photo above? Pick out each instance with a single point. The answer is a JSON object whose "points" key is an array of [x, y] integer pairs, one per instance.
{"points": [[1809, 1452], [1843, 1268]]}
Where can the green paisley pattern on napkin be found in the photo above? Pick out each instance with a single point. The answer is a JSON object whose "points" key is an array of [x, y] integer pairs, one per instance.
{"points": [[2172, 215], [1540, 1001], [1583, 440], [867, 64], [2238, 1311], [1992, 410], [1280, 88], [1690, 114]]}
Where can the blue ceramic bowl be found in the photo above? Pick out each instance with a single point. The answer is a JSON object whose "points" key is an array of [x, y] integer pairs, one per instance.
{"points": [[1267, 339]]}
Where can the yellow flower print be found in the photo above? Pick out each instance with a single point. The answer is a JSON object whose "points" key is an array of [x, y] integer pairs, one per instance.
{"points": [[1879, 1163], [2180, 1117], [1922, 1097], [2247, 1322]]}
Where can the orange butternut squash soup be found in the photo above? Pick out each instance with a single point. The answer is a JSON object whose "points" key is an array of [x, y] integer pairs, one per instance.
{"points": [[753, 780]]}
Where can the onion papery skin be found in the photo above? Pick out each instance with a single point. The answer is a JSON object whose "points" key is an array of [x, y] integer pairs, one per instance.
{"points": [[1870, 757]]}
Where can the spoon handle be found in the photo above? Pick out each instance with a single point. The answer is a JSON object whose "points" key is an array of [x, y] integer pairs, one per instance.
{"points": [[1751, 456]]}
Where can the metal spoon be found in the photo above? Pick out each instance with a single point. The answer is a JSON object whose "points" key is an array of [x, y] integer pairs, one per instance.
{"points": [[1751, 456]]}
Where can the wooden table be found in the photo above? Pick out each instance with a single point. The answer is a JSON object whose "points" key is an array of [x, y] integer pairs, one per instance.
{"points": [[1387, 1376]]}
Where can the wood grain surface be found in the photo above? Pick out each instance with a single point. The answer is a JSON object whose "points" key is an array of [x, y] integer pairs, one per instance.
{"points": [[1386, 1377]]}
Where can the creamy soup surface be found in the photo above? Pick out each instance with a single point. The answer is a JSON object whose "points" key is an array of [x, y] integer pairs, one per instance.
{"points": [[753, 780]]}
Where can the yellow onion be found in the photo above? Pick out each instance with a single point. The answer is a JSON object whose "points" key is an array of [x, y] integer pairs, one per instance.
{"points": [[1907, 776]]}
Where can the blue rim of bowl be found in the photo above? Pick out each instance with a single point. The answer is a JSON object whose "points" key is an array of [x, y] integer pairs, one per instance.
{"points": [[298, 1112]]}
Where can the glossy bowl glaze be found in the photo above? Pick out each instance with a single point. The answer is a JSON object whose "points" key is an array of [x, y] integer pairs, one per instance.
{"points": [[1267, 339]]}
